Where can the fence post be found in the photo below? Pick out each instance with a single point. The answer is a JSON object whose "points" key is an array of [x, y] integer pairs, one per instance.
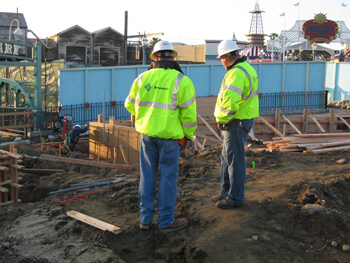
{"points": [[64, 127]]}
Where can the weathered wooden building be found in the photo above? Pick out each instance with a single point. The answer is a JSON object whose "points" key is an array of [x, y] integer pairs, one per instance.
{"points": [[79, 47], [8, 24]]}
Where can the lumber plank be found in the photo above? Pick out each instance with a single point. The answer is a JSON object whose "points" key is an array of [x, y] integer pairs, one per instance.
{"points": [[340, 161], [322, 135], [42, 171], [16, 185], [85, 162], [94, 222], [5, 182], [331, 149], [3, 189]]}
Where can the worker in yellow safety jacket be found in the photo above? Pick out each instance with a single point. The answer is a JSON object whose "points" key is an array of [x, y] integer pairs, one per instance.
{"points": [[236, 107], [163, 101]]}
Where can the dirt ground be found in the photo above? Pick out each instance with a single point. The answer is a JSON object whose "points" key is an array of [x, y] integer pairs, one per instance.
{"points": [[297, 209]]}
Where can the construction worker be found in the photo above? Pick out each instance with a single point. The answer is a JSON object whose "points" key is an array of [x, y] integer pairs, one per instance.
{"points": [[164, 104], [72, 137], [236, 107]]}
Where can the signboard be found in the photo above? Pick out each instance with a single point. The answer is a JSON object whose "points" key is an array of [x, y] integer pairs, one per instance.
{"points": [[320, 30], [347, 52]]}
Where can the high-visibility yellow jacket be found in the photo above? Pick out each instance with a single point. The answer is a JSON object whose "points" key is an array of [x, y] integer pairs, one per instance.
{"points": [[238, 96], [164, 104]]}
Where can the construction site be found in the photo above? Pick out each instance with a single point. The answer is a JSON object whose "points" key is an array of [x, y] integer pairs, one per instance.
{"points": [[60, 206], [63, 206]]}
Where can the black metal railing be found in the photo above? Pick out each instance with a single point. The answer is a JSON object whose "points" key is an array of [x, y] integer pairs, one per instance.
{"points": [[293, 100], [85, 113]]}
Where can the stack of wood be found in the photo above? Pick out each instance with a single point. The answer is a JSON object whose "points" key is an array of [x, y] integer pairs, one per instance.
{"points": [[314, 143]]}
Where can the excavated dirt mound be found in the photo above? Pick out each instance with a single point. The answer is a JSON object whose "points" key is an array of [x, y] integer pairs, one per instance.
{"points": [[297, 210]]}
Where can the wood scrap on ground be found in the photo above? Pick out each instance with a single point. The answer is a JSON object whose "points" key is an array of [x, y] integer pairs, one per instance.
{"points": [[94, 222], [314, 143]]}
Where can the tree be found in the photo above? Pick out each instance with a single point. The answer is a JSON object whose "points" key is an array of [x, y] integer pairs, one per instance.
{"points": [[154, 41], [273, 36]]}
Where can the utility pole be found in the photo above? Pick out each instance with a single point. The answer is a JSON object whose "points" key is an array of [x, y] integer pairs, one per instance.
{"points": [[126, 39]]}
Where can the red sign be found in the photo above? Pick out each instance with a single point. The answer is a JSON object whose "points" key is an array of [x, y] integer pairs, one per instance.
{"points": [[320, 30]]}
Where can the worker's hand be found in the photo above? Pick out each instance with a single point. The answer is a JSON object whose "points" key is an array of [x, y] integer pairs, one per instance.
{"points": [[221, 127], [184, 145], [86, 124]]}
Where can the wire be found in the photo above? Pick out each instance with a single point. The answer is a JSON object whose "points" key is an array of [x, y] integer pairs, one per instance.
{"points": [[71, 199]]}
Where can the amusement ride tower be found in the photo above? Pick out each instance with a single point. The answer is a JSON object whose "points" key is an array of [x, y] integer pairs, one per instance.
{"points": [[256, 34]]}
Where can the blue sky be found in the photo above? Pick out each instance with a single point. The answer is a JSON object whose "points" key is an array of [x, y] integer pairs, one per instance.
{"points": [[190, 21]]}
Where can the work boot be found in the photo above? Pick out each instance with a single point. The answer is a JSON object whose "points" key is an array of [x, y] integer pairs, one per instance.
{"points": [[216, 198], [145, 226], [177, 225], [224, 204]]}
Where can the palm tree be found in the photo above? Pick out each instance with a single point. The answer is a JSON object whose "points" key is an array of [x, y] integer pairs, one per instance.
{"points": [[153, 41]]}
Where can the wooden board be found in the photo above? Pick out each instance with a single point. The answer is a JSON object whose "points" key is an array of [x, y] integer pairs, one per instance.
{"points": [[94, 222]]}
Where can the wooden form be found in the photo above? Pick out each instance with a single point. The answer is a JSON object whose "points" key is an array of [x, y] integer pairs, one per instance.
{"points": [[94, 222], [8, 176], [114, 141], [305, 122]]}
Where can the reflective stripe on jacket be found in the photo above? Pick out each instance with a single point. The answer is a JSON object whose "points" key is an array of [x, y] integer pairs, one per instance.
{"points": [[238, 96], [164, 104]]}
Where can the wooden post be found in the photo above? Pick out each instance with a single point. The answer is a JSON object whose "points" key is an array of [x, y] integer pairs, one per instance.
{"points": [[305, 123], [332, 125], [277, 118]]}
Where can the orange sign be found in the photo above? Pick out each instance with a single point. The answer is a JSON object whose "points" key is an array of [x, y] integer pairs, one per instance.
{"points": [[320, 30]]}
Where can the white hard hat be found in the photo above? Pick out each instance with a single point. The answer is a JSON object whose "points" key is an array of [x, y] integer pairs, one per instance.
{"points": [[77, 125], [227, 46], [163, 46]]}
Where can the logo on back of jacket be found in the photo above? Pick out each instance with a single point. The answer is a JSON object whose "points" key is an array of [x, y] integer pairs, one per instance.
{"points": [[148, 87]]}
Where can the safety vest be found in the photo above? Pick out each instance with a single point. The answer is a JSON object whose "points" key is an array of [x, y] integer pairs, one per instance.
{"points": [[164, 104], [238, 96]]}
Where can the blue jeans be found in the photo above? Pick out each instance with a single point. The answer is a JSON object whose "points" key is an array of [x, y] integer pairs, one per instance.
{"points": [[164, 153], [233, 165]]}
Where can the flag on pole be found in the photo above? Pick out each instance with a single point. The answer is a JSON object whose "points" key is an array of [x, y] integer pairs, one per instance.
{"points": [[344, 5], [283, 14], [296, 4]]}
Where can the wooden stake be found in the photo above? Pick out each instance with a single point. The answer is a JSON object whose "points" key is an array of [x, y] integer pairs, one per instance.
{"points": [[291, 124], [271, 127], [124, 157], [317, 123], [343, 120], [94, 222], [209, 127]]}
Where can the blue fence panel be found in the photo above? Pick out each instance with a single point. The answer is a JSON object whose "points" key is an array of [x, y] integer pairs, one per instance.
{"points": [[275, 77], [316, 76], [71, 90], [342, 82], [270, 83], [98, 83]]}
